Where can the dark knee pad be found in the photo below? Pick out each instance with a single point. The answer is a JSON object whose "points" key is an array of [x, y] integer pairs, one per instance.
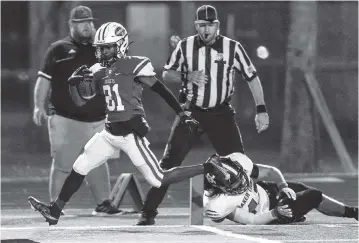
{"points": [[317, 197], [306, 201]]}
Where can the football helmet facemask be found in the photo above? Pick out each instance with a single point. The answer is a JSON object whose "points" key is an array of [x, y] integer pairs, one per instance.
{"points": [[111, 34], [238, 181]]}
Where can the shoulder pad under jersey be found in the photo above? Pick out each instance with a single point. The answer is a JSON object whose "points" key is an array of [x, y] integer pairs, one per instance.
{"points": [[142, 66]]}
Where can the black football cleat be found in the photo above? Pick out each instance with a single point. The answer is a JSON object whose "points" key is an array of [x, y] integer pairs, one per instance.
{"points": [[106, 208], [356, 213], [147, 218], [49, 212]]}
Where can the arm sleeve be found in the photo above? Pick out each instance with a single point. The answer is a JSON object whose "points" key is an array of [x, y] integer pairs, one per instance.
{"points": [[47, 68], [243, 64], [167, 95], [176, 59]]}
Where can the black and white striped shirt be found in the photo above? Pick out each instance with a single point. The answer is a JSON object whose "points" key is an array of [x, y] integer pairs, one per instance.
{"points": [[218, 61]]}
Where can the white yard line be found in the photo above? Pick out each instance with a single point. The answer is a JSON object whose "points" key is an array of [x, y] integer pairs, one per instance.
{"points": [[319, 179], [248, 239], [201, 227], [88, 227], [291, 225], [231, 234], [326, 240], [34, 216]]}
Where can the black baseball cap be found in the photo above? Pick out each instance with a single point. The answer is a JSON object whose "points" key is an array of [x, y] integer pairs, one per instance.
{"points": [[205, 14], [81, 14]]}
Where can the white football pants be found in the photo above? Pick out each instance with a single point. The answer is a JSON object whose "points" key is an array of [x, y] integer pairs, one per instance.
{"points": [[103, 145]]}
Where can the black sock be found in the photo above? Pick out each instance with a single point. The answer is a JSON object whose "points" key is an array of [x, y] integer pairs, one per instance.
{"points": [[71, 185], [349, 212], [55, 210], [61, 204]]}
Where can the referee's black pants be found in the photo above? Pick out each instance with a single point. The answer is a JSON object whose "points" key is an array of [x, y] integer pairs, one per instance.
{"points": [[222, 130]]}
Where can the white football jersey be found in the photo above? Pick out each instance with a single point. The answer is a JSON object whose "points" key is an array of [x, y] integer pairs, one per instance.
{"points": [[255, 199]]}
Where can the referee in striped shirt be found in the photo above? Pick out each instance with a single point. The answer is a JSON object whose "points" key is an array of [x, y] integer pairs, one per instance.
{"points": [[205, 64]]}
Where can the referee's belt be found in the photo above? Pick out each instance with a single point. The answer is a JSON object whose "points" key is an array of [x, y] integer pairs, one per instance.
{"points": [[213, 109]]}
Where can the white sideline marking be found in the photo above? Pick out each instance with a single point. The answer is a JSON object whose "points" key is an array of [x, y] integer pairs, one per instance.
{"points": [[291, 225], [318, 179], [231, 234], [81, 215], [326, 240], [331, 225], [89, 227]]}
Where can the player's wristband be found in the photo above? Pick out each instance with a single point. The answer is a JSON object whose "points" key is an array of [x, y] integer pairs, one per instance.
{"points": [[261, 109], [184, 76], [282, 185]]}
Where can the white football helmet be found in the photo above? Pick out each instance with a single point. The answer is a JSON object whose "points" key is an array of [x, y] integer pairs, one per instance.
{"points": [[111, 33]]}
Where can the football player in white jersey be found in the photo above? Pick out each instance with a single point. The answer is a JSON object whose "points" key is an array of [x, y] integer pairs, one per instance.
{"points": [[120, 79], [249, 201]]}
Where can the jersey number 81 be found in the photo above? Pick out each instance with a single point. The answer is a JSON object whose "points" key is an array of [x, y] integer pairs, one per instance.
{"points": [[113, 98]]}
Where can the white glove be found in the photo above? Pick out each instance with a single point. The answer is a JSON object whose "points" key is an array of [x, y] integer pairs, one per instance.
{"points": [[281, 211]]}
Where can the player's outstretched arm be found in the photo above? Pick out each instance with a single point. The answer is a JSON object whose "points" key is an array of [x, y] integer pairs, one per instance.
{"points": [[242, 216], [161, 89], [265, 171], [273, 172]]}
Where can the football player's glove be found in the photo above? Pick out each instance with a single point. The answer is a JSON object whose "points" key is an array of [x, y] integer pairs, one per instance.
{"points": [[191, 124], [284, 211], [78, 76], [81, 85]]}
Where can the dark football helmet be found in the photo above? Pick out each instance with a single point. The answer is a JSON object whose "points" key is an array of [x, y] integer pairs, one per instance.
{"points": [[237, 183]]}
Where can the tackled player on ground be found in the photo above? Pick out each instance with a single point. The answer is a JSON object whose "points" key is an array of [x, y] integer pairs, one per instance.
{"points": [[250, 200]]}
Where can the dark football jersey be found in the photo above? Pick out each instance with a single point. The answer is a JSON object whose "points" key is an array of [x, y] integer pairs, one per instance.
{"points": [[122, 90], [62, 58]]}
